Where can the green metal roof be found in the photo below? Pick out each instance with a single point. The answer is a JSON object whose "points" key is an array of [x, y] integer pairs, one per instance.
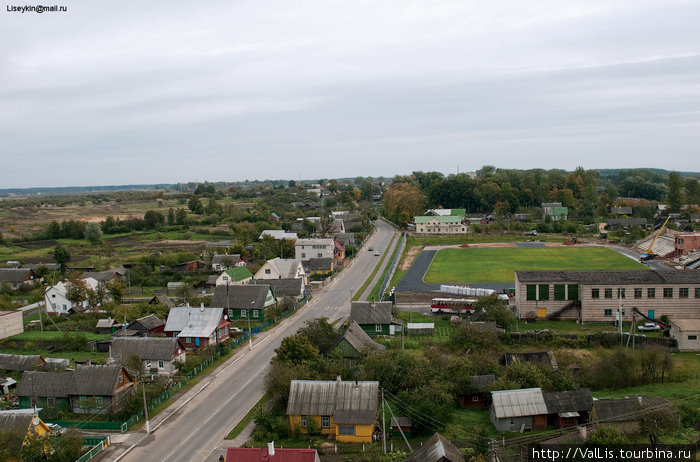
{"points": [[239, 273]]}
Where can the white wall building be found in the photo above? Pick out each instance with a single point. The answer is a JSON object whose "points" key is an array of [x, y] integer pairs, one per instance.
{"points": [[57, 302], [305, 249]]}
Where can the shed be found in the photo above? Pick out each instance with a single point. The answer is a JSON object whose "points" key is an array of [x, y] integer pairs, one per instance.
{"points": [[568, 408], [404, 423], [148, 325], [355, 341], [9, 362], [478, 395], [436, 449], [420, 328], [687, 334], [518, 410]]}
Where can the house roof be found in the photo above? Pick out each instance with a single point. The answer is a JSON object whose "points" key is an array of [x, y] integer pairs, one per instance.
{"points": [[319, 264], [18, 419], [348, 402], [83, 381], [641, 276], [400, 421], [192, 321], [309, 242], [278, 234], [104, 276], [150, 322], [480, 382], [238, 273], [282, 287], [439, 218], [233, 258], [162, 300], [615, 410], [286, 267], [621, 210], [15, 275], [153, 348], [364, 312], [568, 401], [105, 323], [11, 362], [262, 455], [687, 324], [436, 449], [241, 297], [518, 403], [359, 339]]}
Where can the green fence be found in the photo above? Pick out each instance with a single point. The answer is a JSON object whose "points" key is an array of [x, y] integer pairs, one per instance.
{"points": [[98, 448]]}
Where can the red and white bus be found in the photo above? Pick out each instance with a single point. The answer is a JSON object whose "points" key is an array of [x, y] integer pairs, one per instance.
{"points": [[451, 305]]}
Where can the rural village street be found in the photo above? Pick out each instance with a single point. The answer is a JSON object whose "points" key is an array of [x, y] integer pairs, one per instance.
{"points": [[193, 428]]}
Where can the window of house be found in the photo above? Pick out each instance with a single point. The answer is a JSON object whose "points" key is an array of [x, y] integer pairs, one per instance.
{"points": [[692, 337], [531, 291], [668, 292], [98, 401], [267, 270], [377, 327], [697, 292], [512, 422], [475, 398], [161, 364], [303, 255], [188, 339], [346, 429], [620, 293], [573, 292], [148, 364], [50, 402], [651, 293], [544, 291], [255, 313], [244, 313], [595, 293], [608, 312], [225, 330], [325, 421], [218, 333], [638, 292], [230, 313], [559, 292], [304, 420], [683, 292], [53, 295], [34, 401], [608, 293]]}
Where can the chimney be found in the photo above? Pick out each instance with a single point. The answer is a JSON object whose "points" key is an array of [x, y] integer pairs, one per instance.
{"points": [[201, 307], [271, 448]]}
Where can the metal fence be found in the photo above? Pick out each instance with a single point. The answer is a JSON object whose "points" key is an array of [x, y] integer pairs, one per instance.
{"points": [[95, 450], [392, 267]]}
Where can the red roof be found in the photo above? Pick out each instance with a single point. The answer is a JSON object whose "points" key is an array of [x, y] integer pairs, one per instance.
{"points": [[261, 455]]}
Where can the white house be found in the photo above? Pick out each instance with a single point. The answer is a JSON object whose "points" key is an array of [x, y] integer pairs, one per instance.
{"points": [[279, 268], [305, 249], [57, 302]]}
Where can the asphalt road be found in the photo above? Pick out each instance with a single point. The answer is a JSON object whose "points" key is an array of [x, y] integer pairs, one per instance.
{"points": [[194, 427]]}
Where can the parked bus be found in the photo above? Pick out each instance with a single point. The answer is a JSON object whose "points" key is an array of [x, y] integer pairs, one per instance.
{"points": [[451, 305]]}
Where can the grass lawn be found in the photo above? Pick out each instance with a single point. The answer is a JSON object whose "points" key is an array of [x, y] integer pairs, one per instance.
{"points": [[35, 335], [500, 264]]}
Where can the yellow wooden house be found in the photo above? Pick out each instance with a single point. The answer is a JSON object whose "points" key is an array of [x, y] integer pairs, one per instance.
{"points": [[27, 422], [344, 409]]}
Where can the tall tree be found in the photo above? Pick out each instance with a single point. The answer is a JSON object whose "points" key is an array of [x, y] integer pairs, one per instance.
{"points": [[61, 255], [93, 233], [675, 191]]}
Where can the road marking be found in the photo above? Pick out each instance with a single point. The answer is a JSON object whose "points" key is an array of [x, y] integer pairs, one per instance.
{"points": [[180, 406], [225, 368], [211, 416], [125, 452], [261, 340]]}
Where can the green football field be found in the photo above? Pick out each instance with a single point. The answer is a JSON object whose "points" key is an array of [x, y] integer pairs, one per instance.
{"points": [[500, 264]]}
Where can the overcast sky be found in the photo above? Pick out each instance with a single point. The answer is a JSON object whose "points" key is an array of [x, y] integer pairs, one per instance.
{"points": [[123, 92]]}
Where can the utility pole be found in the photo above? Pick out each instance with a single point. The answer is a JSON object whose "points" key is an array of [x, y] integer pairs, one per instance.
{"points": [[145, 407], [250, 331], [383, 425], [400, 429]]}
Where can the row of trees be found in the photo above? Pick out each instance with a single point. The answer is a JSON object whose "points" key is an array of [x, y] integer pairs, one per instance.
{"points": [[586, 193]]}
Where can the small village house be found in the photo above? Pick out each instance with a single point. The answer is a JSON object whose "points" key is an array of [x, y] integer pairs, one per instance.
{"points": [[87, 389], [197, 327], [280, 268], [478, 396], [375, 318], [517, 410], [436, 449], [17, 277], [271, 454], [148, 326], [355, 341], [346, 410], [249, 301], [568, 408], [155, 355], [687, 333]]}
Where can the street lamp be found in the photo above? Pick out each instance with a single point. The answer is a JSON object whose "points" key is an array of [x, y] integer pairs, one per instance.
{"points": [[250, 332]]}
